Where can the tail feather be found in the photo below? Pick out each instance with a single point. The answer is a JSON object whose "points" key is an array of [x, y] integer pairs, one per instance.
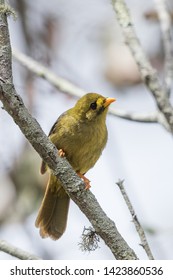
{"points": [[52, 216]]}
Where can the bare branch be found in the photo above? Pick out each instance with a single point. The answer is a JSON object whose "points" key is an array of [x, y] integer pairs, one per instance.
{"points": [[67, 87], [166, 28], [72, 184], [41, 71], [137, 224], [148, 74], [155, 117], [134, 116], [16, 252]]}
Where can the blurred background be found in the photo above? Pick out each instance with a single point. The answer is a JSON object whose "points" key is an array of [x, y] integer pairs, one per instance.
{"points": [[82, 42]]}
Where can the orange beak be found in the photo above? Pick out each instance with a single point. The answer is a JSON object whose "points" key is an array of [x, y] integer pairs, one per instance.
{"points": [[108, 101]]}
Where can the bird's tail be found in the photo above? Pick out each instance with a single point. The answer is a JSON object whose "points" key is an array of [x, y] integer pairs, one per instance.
{"points": [[52, 216]]}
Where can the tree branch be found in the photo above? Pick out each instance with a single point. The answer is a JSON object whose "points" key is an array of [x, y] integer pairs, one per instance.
{"points": [[16, 252], [67, 87], [155, 117], [148, 74], [166, 28], [73, 185], [61, 84], [137, 224]]}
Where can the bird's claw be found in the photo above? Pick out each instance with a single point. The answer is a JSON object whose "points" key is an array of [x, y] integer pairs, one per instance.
{"points": [[61, 153], [86, 181], [87, 184]]}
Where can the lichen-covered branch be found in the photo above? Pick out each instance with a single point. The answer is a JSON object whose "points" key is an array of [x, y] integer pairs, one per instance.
{"points": [[16, 252], [73, 185], [148, 74]]}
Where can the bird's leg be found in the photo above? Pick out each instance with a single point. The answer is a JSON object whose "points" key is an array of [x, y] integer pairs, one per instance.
{"points": [[61, 153], [86, 181]]}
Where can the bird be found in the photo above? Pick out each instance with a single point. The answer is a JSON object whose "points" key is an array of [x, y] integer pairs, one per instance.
{"points": [[80, 135]]}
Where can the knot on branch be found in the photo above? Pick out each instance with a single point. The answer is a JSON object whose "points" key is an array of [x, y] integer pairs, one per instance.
{"points": [[8, 11], [147, 79]]}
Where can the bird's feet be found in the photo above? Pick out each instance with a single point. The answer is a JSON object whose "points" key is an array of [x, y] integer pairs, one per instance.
{"points": [[61, 153], [86, 181]]}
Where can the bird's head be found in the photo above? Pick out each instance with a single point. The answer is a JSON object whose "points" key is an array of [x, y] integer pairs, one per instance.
{"points": [[92, 106]]}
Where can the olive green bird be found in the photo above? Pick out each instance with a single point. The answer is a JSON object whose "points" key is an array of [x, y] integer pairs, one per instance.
{"points": [[81, 135]]}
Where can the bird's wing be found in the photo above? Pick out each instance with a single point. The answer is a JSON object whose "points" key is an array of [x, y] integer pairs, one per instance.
{"points": [[43, 167]]}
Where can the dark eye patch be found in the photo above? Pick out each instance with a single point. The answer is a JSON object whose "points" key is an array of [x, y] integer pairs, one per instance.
{"points": [[93, 105]]}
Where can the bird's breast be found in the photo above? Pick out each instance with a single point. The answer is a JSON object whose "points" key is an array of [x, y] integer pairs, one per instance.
{"points": [[86, 146]]}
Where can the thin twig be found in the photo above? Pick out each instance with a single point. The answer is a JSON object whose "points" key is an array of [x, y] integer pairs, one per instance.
{"points": [[137, 224], [148, 73], [152, 117], [67, 87], [166, 28], [16, 252]]}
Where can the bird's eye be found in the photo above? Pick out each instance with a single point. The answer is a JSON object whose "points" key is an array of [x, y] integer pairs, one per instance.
{"points": [[93, 105]]}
